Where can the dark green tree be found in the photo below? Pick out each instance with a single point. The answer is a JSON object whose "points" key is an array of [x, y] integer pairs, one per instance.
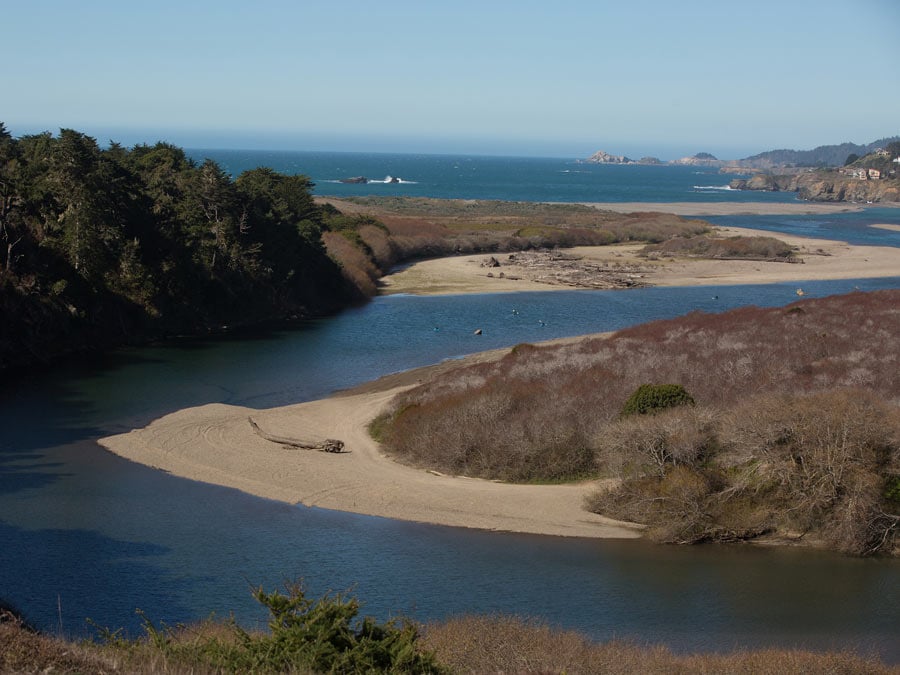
{"points": [[651, 398]]}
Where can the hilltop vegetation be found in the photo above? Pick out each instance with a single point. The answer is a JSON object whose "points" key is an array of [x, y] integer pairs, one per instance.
{"points": [[101, 247], [795, 431], [821, 156]]}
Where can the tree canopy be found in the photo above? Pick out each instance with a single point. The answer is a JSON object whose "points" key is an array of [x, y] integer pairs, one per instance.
{"points": [[110, 244]]}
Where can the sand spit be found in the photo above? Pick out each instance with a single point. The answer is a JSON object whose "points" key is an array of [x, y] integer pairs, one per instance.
{"points": [[216, 444], [610, 266]]}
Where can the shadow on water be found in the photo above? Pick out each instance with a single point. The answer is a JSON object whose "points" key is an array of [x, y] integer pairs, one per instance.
{"points": [[25, 471], [50, 582]]}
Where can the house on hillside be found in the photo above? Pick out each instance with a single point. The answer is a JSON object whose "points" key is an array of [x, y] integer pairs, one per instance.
{"points": [[875, 174]]}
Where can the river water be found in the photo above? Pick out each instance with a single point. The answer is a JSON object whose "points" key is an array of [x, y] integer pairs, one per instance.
{"points": [[86, 534]]}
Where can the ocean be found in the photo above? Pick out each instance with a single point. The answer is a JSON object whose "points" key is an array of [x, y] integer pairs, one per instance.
{"points": [[537, 179]]}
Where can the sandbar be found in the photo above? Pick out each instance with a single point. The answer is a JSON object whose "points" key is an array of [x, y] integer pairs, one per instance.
{"points": [[821, 259], [729, 208], [215, 443], [886, 226]]}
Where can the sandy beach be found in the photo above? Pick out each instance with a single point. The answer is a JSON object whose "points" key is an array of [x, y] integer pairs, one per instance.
{"points": [[728, 208], [215, 443], [821, 259]]}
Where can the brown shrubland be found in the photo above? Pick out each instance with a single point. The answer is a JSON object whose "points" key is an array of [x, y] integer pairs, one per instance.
{"points": [[501, 644], [796, 431], [367, 236]]}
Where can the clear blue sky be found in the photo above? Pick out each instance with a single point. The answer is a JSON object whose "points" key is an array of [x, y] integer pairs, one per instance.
{"points": [[559, 78]]}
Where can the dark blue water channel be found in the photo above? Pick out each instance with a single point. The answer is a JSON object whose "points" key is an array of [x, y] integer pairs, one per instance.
{"points": [[86, 534]]}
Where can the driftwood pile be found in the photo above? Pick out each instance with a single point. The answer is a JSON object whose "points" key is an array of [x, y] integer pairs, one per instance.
{"points": [[559, 268], [328, 445]]}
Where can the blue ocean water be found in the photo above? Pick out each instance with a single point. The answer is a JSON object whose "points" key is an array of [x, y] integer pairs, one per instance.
{"points": [[537, 179]]}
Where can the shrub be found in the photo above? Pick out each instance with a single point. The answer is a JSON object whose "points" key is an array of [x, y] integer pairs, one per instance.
{"points": [[305, 635], [323, 635], [637, 445], [651, 398]]}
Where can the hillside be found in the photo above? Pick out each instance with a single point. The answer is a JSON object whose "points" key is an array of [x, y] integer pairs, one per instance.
{"points": [[824, 155]]}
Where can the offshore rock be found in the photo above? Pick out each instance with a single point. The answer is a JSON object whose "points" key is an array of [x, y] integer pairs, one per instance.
{"points": [[601, 157]]}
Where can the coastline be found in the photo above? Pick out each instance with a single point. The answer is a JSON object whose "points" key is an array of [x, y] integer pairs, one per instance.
{"points": [[822, 259], [216, 444], [730, 208]]}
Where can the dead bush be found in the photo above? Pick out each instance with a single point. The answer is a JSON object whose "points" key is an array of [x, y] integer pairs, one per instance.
{"points": [[826, 457], [650, 444]]}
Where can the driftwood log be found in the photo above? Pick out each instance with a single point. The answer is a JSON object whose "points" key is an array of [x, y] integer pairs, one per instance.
{"points": [[328, 445]]}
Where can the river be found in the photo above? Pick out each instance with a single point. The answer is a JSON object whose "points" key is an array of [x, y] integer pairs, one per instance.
{"points": [[85, 534]]}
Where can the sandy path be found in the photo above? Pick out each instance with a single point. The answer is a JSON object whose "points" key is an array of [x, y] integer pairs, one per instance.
{"points": [[215, 443]]}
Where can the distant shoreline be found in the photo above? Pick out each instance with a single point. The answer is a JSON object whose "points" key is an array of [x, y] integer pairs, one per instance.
{"points": [[728, 208], [822, 259]]}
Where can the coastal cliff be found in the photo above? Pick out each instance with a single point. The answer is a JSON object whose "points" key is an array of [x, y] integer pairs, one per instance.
{"points": [[824, 186]]}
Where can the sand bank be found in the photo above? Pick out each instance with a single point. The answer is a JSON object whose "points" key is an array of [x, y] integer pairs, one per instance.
{"points": [[886, 226], [821, 259], [216, 444], [729, 208]]}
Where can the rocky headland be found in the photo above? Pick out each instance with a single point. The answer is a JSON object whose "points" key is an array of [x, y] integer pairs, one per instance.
{"points": [[824, 186]]}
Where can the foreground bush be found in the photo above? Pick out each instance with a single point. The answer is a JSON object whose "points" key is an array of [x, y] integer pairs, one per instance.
{"points": [[470, 644], [305, 636]]}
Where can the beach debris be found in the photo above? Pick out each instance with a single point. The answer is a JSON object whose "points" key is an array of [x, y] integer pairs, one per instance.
{"points": [[491, 262], [328, 445]]}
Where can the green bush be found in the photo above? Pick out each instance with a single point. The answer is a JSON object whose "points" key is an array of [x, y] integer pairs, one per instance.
{"points": [[651, 398], [305, 635]]}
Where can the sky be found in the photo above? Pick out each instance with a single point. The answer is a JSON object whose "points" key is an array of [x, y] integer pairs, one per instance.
{"points": [[665, 78]]}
